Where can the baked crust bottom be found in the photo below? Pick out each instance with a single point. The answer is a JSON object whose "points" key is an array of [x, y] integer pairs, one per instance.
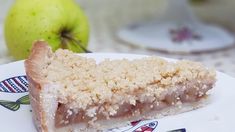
{"points": [[121, 121]]}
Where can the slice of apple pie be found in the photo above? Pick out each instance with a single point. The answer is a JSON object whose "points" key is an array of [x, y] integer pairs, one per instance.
{"points": [[70, 93]]}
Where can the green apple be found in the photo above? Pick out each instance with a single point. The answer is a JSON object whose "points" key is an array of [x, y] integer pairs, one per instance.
{"points": [[61, 23]]}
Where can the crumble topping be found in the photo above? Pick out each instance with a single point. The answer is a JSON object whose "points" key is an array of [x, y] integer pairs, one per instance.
{"points": [[84, 85]]}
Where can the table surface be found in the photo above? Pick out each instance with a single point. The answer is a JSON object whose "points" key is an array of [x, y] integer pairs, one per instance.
{"points": [[103, 38]]}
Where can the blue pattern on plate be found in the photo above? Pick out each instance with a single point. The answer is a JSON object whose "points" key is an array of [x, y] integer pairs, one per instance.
{"points": [[18, 84]]}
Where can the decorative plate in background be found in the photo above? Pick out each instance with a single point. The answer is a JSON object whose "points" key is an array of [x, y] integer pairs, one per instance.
{"points": [[217, 116], [173, 38]]}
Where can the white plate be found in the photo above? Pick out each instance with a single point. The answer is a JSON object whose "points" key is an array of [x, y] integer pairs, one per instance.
{"points": [[217, 116]]}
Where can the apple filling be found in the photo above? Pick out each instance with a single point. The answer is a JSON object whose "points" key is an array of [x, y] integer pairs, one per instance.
{"points": [[65, 116]]}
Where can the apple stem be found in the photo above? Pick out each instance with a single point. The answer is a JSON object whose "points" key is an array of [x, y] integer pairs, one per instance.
{"points": [[77, 42]]}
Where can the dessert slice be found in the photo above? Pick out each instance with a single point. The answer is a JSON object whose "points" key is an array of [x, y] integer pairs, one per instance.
{"points": [[73, 93]]}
